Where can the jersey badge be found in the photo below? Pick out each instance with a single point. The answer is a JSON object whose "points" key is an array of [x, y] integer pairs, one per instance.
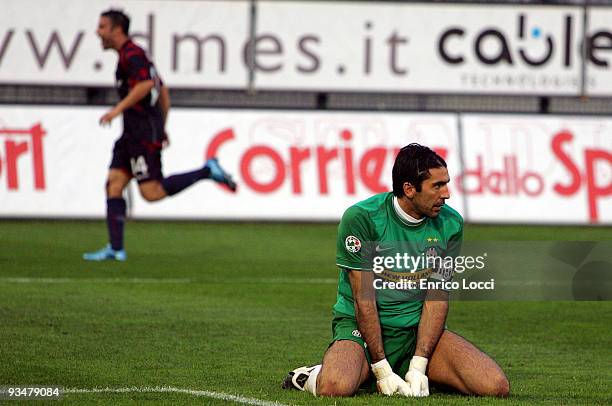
{"points": [[352, 244]]}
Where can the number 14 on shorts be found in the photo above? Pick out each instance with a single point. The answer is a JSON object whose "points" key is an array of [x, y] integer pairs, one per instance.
{"points": [[139, 167]]}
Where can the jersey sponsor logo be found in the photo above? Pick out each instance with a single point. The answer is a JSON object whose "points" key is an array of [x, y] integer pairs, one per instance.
{"points": [[352, 244], [405, 277]]}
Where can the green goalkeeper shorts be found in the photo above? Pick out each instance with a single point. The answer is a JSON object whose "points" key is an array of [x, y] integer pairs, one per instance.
{"points": [[399, 343]]}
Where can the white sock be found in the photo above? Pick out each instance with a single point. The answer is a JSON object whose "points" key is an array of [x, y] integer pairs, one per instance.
{"points": [[311, 382]]}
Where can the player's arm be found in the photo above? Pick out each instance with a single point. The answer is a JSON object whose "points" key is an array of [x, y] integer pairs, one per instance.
{"points": [[164, 105], [431, 327], [433, 319], [354, 228], [164, 102], [136, 94], [366, 314]]}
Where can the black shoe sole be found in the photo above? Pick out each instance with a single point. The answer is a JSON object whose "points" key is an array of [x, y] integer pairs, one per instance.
{"points": [[288, 382]]}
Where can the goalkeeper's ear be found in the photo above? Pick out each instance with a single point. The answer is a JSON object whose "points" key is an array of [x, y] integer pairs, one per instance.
{"points": [[409, 190]]}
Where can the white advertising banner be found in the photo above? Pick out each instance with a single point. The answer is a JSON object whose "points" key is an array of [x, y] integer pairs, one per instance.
{"points": [[313, 165], [329, 46], [599, 52], [289, 165], [424, 48], [52, 161], [529, 169], [192, 43]]}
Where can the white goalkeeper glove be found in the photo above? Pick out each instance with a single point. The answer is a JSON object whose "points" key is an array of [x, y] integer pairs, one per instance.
{"points": [[388, 382], [416, 378]]}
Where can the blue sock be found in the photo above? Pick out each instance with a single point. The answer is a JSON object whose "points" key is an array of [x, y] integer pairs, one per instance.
{"points": [[115, 220], [176, 183]]}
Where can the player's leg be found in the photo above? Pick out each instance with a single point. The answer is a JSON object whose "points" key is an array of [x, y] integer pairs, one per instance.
{"points": [[211, 170], [145, 160], [116, 181], [147, 168], [152, 190], [457, 363], [119, 176], [345, 364], [345, 367]]}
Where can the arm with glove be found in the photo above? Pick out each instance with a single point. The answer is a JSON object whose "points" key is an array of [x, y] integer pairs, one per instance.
{"points": [[366, 313], [431, 326]]}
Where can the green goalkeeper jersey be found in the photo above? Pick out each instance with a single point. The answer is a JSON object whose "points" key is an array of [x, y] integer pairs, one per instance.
{"points": [[373, 237]]}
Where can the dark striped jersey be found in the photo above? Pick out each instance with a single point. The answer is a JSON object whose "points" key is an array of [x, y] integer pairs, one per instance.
{"points": [[144, 120]]}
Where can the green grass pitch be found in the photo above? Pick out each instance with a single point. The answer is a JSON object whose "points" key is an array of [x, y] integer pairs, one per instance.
{"points": [[229, 308]]}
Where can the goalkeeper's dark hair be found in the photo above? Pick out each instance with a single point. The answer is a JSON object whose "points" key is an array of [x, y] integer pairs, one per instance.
{"points": [[412, 165], [118, 18]]}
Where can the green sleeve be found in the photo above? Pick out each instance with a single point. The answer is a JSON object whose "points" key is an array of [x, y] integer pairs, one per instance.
{"points": [[355, 234]]}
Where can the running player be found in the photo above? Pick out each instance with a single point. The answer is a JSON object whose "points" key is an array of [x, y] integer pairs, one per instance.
{"points": [[144, 104]]}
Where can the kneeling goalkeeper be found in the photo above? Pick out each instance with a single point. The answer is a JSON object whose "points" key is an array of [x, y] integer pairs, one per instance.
{"points": [[395, 339]]}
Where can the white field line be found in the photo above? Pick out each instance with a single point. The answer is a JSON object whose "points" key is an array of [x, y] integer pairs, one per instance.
{"points": [[233, 280], [92, 280], [298, 281], [164, 389]]}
